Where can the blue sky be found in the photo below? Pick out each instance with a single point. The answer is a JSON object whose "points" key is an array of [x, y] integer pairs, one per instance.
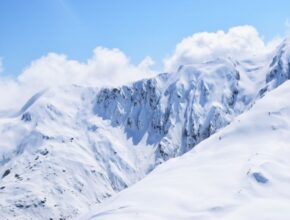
{"points": [[33, 28]]}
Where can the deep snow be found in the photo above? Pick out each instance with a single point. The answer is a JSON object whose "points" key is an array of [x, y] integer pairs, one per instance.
{"points": [[241, 172], [70, 148]]}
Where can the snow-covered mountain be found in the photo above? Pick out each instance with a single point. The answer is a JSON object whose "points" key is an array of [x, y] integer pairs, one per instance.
{"points": [[176, 111], [73, 147], [58, 158], [241, 172]]}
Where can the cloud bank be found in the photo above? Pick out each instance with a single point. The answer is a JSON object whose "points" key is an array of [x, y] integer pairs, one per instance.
{"points": [[107, 67], [239, 42], [111, 67]]}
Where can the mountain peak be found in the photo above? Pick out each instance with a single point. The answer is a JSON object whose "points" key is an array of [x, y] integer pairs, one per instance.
{"points": [[84, 144]]}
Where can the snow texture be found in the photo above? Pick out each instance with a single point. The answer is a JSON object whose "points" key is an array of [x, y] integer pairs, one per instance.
{"points": [[70, 148], [241, 172]]}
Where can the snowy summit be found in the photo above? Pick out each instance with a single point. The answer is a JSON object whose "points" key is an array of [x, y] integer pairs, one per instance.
{"points": [[205, 137]]}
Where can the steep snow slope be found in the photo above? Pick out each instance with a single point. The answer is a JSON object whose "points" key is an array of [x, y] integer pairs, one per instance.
{"points": [[174, 112], [57, 158], [241, 172], [83, 145]]}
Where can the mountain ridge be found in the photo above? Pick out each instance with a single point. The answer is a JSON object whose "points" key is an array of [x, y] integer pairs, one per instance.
{"points": [[84, 144], [241, 172]]}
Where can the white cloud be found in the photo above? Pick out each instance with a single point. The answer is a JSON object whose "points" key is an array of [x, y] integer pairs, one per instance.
{"points": [[146, 64], [107, 67], [11, 94], [111, 67], [239, 42]]}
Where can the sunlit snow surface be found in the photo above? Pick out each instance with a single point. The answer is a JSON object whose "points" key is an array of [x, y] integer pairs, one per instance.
{"points": [[70, 148], [61, 158], [241, 172]]}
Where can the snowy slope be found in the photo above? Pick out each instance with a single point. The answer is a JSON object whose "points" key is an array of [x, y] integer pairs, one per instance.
{"points": [[83, 145], [174, 112], [57, 158], [241, 172]]}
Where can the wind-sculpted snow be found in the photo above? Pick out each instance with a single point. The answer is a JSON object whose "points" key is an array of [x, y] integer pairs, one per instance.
{"points": [[174, 112], [241, 172], [57, 158], [279, 67], [70, 148]]}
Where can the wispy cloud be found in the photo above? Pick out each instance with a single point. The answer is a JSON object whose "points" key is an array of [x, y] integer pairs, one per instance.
{"points": [[69, 12]]}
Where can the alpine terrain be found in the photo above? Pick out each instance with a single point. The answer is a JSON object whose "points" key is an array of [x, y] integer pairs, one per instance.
{"points": [[69, 151]]}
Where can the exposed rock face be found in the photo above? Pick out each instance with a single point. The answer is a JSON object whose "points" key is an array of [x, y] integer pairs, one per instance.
{"points": [[83, 145], [174, 112]]}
